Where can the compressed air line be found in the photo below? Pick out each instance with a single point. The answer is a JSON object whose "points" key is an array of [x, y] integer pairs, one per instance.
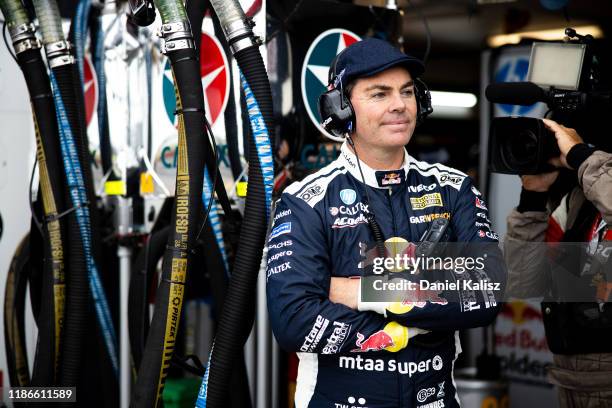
{"points": [[50, 318], [238, 309], [159, 349], [83, 276]]}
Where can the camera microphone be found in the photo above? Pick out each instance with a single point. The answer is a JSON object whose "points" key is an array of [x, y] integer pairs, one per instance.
{"points": [[516, 93]]}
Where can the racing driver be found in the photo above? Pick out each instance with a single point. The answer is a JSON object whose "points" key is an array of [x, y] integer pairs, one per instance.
{"points": [[355, 353]]}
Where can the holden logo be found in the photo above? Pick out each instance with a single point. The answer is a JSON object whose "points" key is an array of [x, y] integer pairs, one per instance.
{"points": [[348, 196]]}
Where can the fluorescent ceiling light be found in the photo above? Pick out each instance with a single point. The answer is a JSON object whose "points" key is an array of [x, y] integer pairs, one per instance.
{"points": [[548, 35], [453, 99]]}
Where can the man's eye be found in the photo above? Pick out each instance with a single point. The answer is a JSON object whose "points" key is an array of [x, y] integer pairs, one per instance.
{"points": [[408, 92], [378, 95]]}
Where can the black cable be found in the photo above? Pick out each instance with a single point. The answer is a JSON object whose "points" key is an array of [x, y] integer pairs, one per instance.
{"points": [[214, 182], [31, 203], [427, 30], [8, 47], [376, 231]]}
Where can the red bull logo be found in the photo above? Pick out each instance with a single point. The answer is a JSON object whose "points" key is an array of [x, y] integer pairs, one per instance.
{"points": [[420, 297], [520, 312], [376, 342], [393, 247]]}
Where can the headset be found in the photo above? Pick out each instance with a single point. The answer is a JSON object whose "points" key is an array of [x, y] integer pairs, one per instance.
{"points": [[338, 115]]}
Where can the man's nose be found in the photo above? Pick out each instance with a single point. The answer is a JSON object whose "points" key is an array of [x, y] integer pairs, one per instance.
{"points": [[397, 104]]}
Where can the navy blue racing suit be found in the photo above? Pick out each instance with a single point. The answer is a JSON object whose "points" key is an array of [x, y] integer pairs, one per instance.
{"points": [[319, 231]]}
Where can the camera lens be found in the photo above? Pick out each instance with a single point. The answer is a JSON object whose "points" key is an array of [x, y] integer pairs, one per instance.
{"points": [[521, 149]]}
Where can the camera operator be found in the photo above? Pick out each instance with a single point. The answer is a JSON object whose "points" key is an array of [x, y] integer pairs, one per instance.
{"points": [[578, 334]]}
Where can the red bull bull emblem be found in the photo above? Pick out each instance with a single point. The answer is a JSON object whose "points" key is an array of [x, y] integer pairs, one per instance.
{"points": [[376, 342]]}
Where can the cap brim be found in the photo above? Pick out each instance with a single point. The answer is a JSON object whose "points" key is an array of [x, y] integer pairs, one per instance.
{"points": [[414, 66]]}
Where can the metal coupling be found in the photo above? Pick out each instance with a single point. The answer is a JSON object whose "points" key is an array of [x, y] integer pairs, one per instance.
{"points": [[175, 36], [24, 38], [240, 35], [58, 53]]}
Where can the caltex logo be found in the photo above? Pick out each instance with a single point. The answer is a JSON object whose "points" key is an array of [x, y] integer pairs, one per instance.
{"points": [[315, 70], [90, 89], [214, 70]]}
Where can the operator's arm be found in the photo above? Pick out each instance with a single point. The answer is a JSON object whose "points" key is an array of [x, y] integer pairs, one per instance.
{"points": [[298, 279], [595, 176], [594, 167]]}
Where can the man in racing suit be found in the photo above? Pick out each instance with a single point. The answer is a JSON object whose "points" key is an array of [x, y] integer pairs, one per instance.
{"points": [[360, 358], [582, 345]]}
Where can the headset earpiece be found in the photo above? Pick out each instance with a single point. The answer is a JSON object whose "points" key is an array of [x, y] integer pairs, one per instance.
{"points": [[337, 114], [423, 100]]}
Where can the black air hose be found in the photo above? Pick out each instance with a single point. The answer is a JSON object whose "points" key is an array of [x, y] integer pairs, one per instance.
{"points": [[231, 124], [238, 309], [187, 207], [51, 191], [14, 306]]}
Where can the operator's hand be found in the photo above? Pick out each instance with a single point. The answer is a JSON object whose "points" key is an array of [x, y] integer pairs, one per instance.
{"points": [[566, 139], [539, 182]]}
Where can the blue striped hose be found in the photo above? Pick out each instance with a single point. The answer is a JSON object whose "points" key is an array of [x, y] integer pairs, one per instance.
{"points": [[261, 138], [262, 142], [100, 74], [213, 217], [78, 195], [80, 33]]}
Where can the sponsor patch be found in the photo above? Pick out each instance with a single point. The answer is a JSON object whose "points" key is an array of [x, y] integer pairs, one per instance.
{"points": [[434, 404], [314, 336], [281, 229], [428, 217], [480, 204], [425, 393], [475, 191], [484, 216], [492, 235], [450, 179], [421, 187], [353, 210], [310, 192], [441, 392], [348, 196], [348, 222], [425, 201], [482, 224], [279, 255], [337, 338], [409, 368], [281, 244], [277, 269], [481, 233], [389, 178], [282, 214]]}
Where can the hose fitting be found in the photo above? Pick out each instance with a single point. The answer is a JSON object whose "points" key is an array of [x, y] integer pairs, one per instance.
{"points": [[238, 28], [24, 38], [176, 36], [58, 53]]}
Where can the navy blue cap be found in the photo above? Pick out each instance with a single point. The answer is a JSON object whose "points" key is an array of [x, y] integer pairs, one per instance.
{"points": [[371, 56]]}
